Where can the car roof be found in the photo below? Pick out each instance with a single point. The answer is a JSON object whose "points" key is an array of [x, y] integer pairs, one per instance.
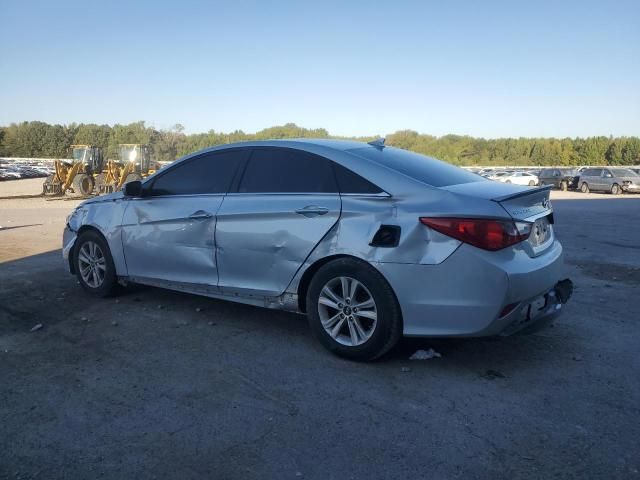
{"points": [[302, 143]]}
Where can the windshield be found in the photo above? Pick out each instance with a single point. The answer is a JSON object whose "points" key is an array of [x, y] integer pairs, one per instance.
{"points": [[569, 171], [81, 154], [130, 153], [623, 172]]}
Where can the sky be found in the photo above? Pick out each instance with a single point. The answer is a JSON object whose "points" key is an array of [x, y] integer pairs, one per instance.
{"points": [[488, 69]]}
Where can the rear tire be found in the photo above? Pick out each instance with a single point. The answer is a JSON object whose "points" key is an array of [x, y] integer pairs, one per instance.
{"points": [[563, 186], [532, 183], [93, 265], [83, 184], [363, 324], [584, 188], [615, 189]]}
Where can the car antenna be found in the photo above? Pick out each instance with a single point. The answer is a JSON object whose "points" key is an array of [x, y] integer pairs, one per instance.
{"points": [[379, 143]]}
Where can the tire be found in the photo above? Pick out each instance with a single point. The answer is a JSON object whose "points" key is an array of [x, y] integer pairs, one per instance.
{"points": [[47, 186], [615, 189], [82, 184], [507, 181], [104, 283], [563, 186], [584, 188], [532, 183], [376, 332]]}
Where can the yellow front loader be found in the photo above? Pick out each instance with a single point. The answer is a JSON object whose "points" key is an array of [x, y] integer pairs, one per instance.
{"points": [[75, 176], [134, 164]]}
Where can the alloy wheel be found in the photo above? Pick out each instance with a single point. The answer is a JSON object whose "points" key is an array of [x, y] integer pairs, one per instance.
{"points": [[92, 264], [347, 311]]}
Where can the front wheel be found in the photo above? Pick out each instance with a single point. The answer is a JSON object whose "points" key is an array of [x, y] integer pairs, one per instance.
{"points": [[82, 184], [615, 189], [94, 265], [352, 310], [584, 188]]}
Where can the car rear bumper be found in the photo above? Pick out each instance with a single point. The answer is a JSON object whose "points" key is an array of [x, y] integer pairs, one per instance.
{"points": [[478, 293]]}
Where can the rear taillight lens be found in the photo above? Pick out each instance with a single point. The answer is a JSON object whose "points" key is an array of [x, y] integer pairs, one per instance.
{"points": [[482, 233]]}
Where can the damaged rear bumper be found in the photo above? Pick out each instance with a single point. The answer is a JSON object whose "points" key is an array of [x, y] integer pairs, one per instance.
{"points": [[536, 313]]}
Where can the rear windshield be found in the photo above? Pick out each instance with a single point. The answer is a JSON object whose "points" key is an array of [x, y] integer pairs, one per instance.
{"points": [[425, 169], [623, 172]]}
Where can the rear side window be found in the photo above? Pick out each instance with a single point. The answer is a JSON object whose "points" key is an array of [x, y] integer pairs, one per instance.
{"points": [[425, 169], [350, 182], [280, 170], [207, 174]]}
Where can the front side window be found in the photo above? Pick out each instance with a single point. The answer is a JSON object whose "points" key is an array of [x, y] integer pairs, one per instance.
{"points": [[281, 170], [209, 173]]}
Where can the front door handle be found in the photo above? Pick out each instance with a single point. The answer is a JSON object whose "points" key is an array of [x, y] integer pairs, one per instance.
{"points": [[200, 215], [312, 210]]}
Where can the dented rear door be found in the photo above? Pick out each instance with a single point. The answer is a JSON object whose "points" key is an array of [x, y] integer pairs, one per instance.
{"points": [[284, 204]]}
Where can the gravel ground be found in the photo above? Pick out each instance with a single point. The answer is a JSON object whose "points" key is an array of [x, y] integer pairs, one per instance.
{"points": [[155, 384]]}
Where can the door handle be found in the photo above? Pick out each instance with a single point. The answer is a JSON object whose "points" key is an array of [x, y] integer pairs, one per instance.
{"points": [[200, 215], [312, 210]]}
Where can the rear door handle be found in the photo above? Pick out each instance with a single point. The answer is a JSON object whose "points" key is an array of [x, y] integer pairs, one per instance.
{"points": [[312, 210], [200, 215]]}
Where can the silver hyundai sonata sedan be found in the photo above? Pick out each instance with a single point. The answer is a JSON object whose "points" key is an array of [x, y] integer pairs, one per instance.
{"points": [[370, 242]]}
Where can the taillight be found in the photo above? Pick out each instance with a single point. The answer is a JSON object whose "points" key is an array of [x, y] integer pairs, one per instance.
{"points": [[482, 233]]}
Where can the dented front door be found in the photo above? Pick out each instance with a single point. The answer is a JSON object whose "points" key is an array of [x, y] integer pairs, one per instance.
{"points": [[172, 238], [262, 239]]}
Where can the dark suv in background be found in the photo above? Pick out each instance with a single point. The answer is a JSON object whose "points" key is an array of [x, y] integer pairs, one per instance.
{"points": [[562, 178]]}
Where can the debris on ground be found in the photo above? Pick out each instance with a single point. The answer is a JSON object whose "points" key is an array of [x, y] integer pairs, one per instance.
{"points": [[425, 355], [493, 374], [36, 327]]}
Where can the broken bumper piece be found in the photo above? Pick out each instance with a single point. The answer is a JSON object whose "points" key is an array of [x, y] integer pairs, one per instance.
{"points": [[536, 313]]}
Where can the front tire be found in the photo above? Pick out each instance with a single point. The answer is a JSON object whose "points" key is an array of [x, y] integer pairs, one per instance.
{"points": [[615, 189], [82, 184], [584, 188], [352, 310], [94, 265]]}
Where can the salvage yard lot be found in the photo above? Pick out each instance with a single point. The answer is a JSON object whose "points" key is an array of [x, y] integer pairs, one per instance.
{"points": [[155, 384]]}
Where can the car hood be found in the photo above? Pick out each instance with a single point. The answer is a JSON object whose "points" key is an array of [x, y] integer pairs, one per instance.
{"points": [[109, 197]]}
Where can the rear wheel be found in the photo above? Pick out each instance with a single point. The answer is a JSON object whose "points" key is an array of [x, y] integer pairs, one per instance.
{"points": [[532, 183], [82, 184], [584, 188], [352, 310], [94, 265], [563, 186], [615, 189]]}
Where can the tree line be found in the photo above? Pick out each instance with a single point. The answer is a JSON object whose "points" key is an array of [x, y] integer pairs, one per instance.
{"points": [[42, 140]]}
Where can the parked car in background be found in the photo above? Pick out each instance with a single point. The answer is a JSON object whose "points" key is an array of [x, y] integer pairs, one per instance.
{"points": [[562, 178], [371, 242], [519, 178], [612, 180], [496, 175]]}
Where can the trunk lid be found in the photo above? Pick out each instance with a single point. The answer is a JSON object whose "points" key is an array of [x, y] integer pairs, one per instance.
{"points": [[520, 202]]}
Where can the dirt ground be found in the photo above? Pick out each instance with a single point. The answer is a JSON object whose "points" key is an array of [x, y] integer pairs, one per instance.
{"points": [[155, 384]]}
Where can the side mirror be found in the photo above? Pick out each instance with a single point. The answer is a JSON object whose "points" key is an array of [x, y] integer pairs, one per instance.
{"points": [[133, 189]]}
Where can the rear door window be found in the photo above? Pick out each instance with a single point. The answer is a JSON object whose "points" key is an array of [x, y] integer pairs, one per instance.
{"points": [[209, 173], [281, 170], [352, 183]]}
